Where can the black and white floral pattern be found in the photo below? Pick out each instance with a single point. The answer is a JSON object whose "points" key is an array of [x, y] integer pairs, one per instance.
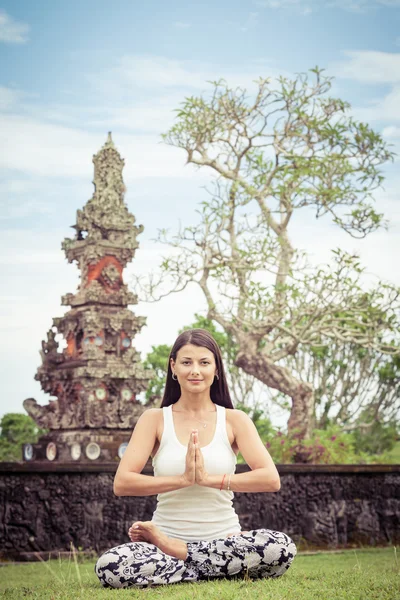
{"points": [[259, 553]]}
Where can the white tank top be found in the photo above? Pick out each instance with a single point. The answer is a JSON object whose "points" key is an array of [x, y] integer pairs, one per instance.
{"points": [[195, 513]]}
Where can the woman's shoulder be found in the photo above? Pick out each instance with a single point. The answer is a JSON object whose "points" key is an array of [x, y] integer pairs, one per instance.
{"points": [[151, 415], [153, 412], [150, 420], [235, 416]]}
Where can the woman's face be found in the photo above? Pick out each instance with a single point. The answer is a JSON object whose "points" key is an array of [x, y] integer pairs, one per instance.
{"points": [[195, 368]]}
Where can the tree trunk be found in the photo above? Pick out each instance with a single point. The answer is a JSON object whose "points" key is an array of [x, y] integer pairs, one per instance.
{"points": [[280, 378]]}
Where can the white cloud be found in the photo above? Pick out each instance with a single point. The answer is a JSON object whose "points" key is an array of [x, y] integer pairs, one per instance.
{"points": [[356, 6], [297, 6], [391, 132], [384, 110], [182, 25], [44, 149], [378, 251], [251, 21], [369, 66], [307, 6], [158, 72], [363, 5], [390, 106], [27, 246], [48, 150], [12, 31], [8, 98], [154, 117], [277, 3], [49, 141], [31, 258], [137, 73], [24, 209], [22, 197], [375, 69]]}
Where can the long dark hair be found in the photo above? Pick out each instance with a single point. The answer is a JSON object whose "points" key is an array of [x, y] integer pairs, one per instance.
{"points": [[219, 391]]}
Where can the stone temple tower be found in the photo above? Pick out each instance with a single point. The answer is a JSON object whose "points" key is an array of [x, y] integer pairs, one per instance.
{"points": [[94, 380]]}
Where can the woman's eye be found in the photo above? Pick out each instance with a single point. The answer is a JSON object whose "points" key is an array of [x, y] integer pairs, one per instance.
{"points": [[186, 362]]}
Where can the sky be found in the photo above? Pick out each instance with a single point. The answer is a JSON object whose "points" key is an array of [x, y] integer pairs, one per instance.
{"points": [[72, 71]]}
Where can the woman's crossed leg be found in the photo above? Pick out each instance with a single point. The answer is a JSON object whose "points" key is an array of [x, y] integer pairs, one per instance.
{"points": [[259, 553]]}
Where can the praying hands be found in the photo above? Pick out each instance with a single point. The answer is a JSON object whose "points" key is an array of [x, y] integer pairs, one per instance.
{"points": [[195, 471], [201, 475]]}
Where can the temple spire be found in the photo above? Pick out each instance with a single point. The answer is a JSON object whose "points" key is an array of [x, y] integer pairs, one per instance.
{"points": [[96, 377], [109, 141]]}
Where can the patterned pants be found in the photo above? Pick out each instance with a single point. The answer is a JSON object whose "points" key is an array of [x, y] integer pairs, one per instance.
{"points": [[259, 553]]}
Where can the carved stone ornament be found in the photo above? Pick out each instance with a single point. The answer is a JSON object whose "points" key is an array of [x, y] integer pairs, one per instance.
{"points": [[96, 376]]}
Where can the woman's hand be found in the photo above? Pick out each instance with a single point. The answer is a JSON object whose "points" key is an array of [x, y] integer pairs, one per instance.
{"points": [[189, 476], [201, 473]]}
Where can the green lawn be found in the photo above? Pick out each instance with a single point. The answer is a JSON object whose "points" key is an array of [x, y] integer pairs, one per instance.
{"points": [[365, 574]]}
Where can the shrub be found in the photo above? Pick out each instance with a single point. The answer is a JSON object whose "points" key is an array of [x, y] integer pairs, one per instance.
{"points": [[325, 446]]}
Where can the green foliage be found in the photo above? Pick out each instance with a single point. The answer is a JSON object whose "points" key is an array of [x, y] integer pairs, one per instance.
{"points": [[17, 429], [221, 338], [379, 438], [390, 372], [157, 360], [263, 423], [393, 456], [327, 446]]}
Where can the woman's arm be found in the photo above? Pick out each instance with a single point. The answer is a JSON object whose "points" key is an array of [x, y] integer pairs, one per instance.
{"points": [[128, 480], [263, 476]]}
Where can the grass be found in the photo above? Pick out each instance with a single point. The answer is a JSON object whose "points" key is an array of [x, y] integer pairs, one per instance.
{"points": [[394, 454], [365, 574]]}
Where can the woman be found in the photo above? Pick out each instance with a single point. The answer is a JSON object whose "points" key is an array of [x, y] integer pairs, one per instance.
{"points": [[193, 440]]}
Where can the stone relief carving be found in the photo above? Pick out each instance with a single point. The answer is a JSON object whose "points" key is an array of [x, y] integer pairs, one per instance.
{"points": [[93, 521], [49, 352], [95, 292], [111, 276], [46, 417]]}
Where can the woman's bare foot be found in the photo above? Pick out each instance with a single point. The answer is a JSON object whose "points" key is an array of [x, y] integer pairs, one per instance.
{"points": [[146, 531]]}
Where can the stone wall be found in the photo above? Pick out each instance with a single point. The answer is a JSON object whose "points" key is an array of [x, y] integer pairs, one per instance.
{"points": [[46, 507]]}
